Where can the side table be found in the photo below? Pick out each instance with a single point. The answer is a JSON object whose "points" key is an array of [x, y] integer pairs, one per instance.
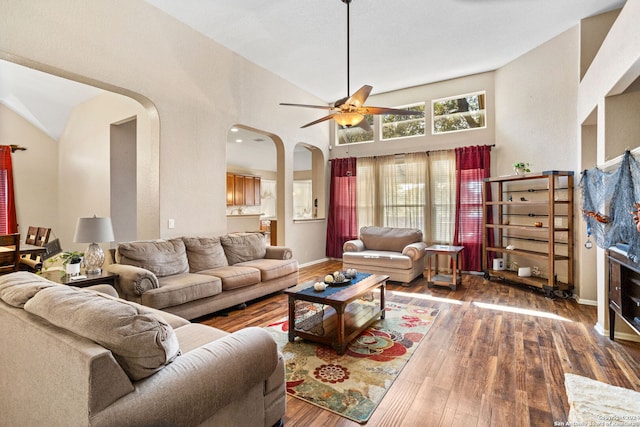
{"points": [[450, 280], [59, 276]]}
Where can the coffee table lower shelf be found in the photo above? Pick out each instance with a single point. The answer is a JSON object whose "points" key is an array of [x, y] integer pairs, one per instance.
{"points": [[356, 319]]}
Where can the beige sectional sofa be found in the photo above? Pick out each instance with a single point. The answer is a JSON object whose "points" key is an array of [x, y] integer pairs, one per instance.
{"points": [[195, 276], [79, 357], [399, 253]]}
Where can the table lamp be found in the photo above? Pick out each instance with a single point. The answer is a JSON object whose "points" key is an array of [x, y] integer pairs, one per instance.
{"points": [[94, 230]]}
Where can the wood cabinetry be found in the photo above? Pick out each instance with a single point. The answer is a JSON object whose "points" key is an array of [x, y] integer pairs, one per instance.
{"points": [[624, 290], [243, 190], [532, 224]]}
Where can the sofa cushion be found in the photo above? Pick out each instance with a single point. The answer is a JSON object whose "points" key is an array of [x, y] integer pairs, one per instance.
{"points": [[272, 268], [382, 259], [140, 341], [389, 238], [181, 288], [240, 247], [234, 277], [204, 253], [162, 257], [18, 288], [195, 335]]}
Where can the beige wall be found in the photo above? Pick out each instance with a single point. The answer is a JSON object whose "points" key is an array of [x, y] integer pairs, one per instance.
{"points": [[535, 107], [197, 88], [84, 173], [613, 71], [35, 172]]}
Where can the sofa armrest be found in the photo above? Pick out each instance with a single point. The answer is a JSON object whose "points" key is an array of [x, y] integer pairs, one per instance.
{"points": [[204, 380], [415, 251], [133, 281], [278, 252], [353, 246]]}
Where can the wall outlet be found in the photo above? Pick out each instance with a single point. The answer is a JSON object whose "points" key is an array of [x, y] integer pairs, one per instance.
{"points": [[171, 223]]}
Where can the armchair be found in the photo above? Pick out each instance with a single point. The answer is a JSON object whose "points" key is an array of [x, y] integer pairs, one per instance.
{"points": [[396, 252]]}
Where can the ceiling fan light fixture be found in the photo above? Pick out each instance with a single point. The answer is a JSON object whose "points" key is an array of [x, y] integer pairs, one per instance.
{"points": [[348, 119]]}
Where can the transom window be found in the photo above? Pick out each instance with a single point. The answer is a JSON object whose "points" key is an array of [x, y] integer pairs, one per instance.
{"points": [[355, 134], [399, 126], [458, 113]]}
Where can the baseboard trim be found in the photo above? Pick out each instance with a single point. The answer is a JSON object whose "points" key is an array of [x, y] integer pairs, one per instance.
{"points": [[318, 261], [624, 336]]}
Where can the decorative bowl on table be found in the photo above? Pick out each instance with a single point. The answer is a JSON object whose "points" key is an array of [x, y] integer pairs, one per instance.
{"points": [[337, 279]]}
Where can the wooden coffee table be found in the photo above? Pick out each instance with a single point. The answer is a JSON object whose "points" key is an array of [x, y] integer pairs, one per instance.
{"points": [[341, 318]]}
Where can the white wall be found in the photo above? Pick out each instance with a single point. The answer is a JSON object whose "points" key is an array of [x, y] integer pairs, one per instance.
{"points": [[197, 88]]}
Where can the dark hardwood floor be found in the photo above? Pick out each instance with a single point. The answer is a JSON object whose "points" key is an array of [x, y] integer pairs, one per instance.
{"points": [[495, 356]]}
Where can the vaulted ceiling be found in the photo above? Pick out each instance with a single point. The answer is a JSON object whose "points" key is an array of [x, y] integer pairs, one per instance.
{"points": [[394, 44]]}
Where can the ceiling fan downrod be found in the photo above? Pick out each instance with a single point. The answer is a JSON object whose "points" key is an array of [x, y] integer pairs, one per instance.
{"points": [[348, 2]]}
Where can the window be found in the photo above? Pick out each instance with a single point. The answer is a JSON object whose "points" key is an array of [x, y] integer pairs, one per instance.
{"points": [[411, 190], [356, 134], [302, 199], [458, 113], [398, 126]]}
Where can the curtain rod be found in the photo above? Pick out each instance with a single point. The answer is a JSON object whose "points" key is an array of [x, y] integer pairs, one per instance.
{"points": [[428, 151], [15, 148]]}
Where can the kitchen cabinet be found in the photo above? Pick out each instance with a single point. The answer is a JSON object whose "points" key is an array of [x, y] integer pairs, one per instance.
{"points": [[243, 190]]}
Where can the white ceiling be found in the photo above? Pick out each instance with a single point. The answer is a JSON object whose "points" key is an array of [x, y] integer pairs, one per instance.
{"points": [[42, 99], [394, 44]]}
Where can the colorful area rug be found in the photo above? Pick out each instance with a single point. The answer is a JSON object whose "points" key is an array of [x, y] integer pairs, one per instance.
{"points": [[352, 385]]}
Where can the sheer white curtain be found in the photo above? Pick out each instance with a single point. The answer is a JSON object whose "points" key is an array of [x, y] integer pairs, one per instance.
{"points": [[402, 184], [415, 190], [442, 201], [366, 191]]}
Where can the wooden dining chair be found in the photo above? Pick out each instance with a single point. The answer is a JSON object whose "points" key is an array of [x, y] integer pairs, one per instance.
{"points": [[32, 235], [37, 236], [9, 253]]}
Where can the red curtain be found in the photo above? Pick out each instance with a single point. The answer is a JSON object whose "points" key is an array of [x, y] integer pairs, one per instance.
{"points": [[473, 164], [8, 221], [342, 223]]}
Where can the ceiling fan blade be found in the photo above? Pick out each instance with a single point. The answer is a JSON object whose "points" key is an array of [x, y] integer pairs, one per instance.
{"points": [[360, 96], [364, 125], [325, 118], [384, 110], [321, 107]]}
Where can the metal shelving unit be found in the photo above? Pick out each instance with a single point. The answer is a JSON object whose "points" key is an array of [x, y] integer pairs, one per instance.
{"points": [[532, 223]]}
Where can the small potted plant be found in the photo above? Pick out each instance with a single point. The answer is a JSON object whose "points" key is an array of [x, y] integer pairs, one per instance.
{"points": [[70, 261], [521, 168]]}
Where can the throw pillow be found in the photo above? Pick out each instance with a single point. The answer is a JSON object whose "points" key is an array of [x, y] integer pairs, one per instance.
{"points": [[162, 258], [141, 342], [241, 247], [204, 253]]}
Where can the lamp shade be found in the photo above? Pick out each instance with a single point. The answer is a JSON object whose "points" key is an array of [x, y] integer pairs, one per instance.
{"points": [[94, 230], [348, 119]]}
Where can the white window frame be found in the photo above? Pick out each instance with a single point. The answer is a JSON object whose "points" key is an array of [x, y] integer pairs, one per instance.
{"points": [[416, 118], [482, 111]]}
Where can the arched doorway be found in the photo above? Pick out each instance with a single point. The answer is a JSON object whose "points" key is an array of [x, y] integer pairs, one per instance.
{"points": [[256, 156]]}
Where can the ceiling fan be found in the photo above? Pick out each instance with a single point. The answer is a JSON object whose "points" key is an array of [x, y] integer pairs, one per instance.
{"points": [[350, 111]]}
